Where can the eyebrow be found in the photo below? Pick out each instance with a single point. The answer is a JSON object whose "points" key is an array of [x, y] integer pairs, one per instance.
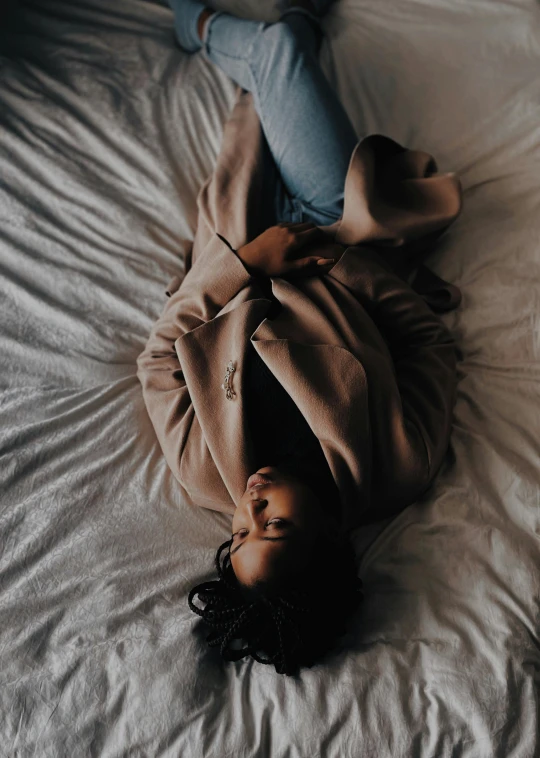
{"points": [[266, 539]]}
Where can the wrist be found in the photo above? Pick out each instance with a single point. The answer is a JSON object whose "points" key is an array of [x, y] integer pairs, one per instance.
{"points": [[243, 254]]}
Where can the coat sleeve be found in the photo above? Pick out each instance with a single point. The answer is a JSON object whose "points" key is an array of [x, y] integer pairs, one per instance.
{"points": [[413, 391], [215, 278]]}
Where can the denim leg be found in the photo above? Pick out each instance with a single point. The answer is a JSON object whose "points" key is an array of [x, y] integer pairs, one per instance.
{"points": [[186, 19], [309, 134]]}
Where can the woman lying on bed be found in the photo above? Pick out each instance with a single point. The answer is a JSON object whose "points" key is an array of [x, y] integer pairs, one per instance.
{"points": [[295, 379]]}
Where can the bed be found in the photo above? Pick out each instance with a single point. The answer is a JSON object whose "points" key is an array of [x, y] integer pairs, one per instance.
{"points": [[107, 133]]}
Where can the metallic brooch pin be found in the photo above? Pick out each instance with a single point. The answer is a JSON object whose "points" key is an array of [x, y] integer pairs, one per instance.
{"points": [[229, 392]]}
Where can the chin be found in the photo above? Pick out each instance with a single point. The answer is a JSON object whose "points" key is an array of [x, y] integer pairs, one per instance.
{"points": [[297, 467]]}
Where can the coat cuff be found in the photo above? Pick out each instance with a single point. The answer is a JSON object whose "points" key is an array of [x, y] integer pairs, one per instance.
{"points": [[217, 271]]}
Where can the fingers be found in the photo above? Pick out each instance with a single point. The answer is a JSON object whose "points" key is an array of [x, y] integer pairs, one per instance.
{"points": [[312, 264], [329, 250], [303, 230], [299, 227], [305, 236], [320, 250]]}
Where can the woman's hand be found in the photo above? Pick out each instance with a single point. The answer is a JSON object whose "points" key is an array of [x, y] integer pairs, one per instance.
{"points": [[278, 251]]}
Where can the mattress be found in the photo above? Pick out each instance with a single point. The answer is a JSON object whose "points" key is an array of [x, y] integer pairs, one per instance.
{"points": [[107, 133]]}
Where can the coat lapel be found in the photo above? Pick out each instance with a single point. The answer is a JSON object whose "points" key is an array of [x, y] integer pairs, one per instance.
{"points": [[204, 355]]}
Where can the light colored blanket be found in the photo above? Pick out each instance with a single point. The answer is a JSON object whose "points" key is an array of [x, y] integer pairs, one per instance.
{"points": [[107, 132]]}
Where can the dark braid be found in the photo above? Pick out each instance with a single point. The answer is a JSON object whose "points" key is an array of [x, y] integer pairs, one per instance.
{"points": [[290, 627]]}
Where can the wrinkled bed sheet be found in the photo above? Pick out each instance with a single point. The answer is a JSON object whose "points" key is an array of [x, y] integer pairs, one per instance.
{"points": [[107, 133]]}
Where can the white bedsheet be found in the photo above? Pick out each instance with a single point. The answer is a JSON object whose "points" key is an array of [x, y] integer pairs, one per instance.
{"points": [[107, 131]]}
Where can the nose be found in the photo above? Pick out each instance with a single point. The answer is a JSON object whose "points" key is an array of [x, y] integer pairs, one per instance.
{"points": [[256, 505]]}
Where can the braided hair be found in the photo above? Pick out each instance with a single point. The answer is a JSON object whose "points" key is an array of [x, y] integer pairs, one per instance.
{"points": [[288, 627]]}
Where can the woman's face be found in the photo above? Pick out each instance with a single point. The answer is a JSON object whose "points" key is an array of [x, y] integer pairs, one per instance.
{"points": [[275, 525]]}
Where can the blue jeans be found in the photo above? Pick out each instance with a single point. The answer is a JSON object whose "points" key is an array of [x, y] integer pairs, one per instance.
{"points": [[309, 138]]}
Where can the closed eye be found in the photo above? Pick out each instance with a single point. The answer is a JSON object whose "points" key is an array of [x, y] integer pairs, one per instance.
{"points": [[277, 522]]}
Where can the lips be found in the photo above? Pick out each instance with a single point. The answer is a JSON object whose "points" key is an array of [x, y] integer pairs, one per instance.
{"points": [[257, 479]]}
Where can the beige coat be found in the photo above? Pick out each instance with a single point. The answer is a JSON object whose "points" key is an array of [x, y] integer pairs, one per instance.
{"points": [[367, 362]]}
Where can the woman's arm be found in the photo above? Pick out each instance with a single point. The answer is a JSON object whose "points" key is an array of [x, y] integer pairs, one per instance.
{"points": [[414, 392], [215, 278]]}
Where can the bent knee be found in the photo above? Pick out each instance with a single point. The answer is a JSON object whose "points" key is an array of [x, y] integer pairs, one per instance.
{"points": [[278, 39]]}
